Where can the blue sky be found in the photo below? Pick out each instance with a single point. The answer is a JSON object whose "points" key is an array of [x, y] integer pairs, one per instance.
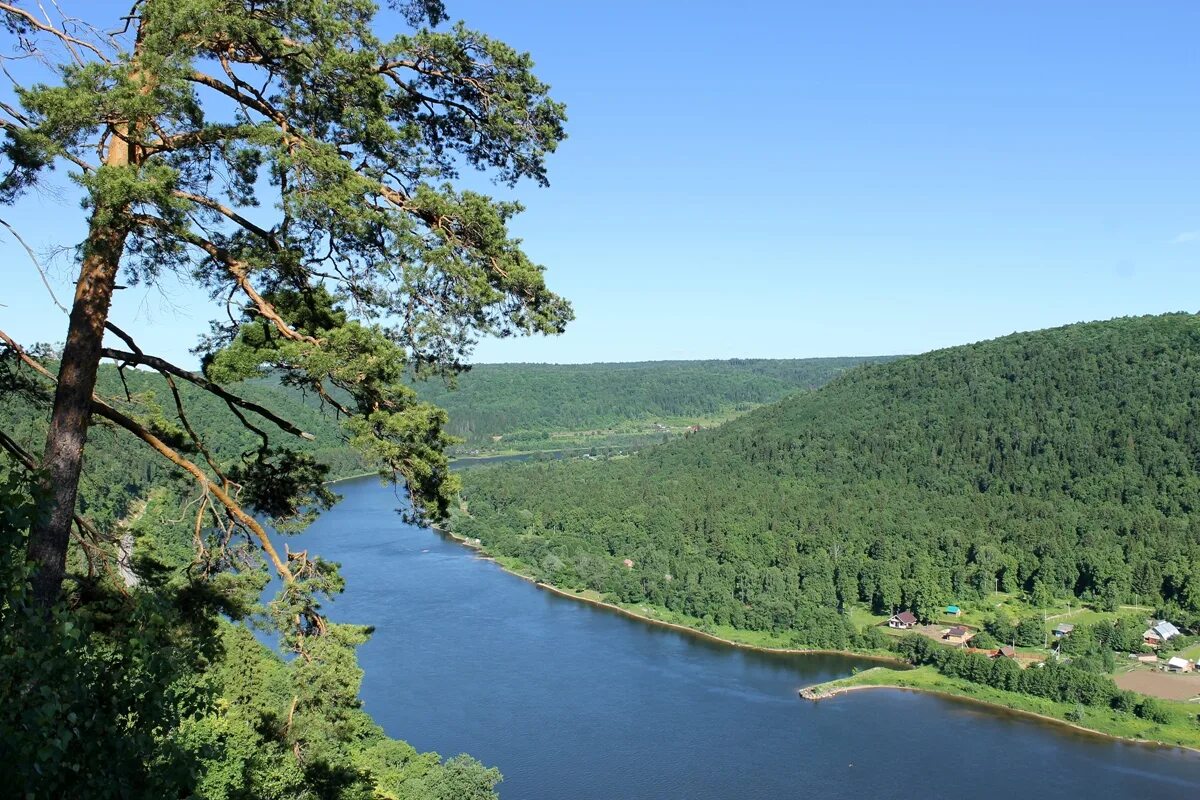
{"points": [[812, 179]]}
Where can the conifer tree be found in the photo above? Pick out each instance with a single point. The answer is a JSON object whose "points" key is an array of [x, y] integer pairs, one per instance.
{"points": [[305, 171]]}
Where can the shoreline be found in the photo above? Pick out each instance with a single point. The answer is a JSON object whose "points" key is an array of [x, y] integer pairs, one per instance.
{"points": [[373, 474], [817, 693], [626, 612], [812, 693]]}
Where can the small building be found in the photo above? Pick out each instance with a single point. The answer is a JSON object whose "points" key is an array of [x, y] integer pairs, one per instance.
{"points": [[1062, 630], [1159, 632], [1147, 658], [1007, 651], [902, 621], [1177, 664], [953, 611], [959, 634]]}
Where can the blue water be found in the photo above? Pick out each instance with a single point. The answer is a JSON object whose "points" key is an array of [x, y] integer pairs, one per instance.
{"points": [[573, 701]]}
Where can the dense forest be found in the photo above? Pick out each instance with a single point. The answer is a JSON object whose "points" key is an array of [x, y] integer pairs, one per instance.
{"points": [[528, 402], [1055, 463], [510, 400]]}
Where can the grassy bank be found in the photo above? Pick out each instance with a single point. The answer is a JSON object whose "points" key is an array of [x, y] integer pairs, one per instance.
{"points": [[1183, 730]]}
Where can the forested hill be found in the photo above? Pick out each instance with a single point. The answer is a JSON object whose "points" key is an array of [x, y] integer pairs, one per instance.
{"points": [[521, 403], [1056, 462], [527, 402]]}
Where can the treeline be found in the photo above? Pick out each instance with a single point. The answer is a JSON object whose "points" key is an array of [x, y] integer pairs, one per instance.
{"points": [[118, 470], [1055, 463], [528, 400], [1062, 682]]}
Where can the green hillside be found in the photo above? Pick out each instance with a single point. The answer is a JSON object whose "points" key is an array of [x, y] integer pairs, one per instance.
{"points": [[549, 406], [1057, 463]]}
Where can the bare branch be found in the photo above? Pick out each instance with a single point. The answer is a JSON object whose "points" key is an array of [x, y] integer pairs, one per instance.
{"points": [[33, 257], [246, 521], [232, 215], [70, 42], [167, 367]]}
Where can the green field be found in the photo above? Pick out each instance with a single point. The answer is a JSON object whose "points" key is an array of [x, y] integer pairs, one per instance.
{"points": [[1182, 730]]}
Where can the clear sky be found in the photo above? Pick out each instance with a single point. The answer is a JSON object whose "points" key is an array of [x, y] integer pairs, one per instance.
{"points": [[811, 178]]}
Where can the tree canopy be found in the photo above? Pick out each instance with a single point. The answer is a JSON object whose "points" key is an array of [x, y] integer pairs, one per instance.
{"points": [[204, 113], [307, 170]]}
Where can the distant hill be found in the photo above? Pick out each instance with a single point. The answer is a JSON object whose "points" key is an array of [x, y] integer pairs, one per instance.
{"points": [[1058, 462], [540, 406]]}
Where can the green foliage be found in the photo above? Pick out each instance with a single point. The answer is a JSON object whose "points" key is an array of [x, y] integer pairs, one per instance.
{"points": [[1063, 683], [525, 403], [1030, 632], [149, 693], [93, 700], [1058, 462], [1151, 709]]}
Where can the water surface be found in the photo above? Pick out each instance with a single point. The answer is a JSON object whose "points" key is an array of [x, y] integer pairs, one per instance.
{"points": [[574, 701]]}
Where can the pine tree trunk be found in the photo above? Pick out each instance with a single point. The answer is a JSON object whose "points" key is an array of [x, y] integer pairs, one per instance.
{"points": [[108, 228], [65, 440]]}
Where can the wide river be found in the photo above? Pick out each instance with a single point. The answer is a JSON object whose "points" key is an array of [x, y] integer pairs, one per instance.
{"points": [[579, 703]]}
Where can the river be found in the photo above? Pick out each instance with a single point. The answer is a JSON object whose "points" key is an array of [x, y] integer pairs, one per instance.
{"points": [[573, 701]]}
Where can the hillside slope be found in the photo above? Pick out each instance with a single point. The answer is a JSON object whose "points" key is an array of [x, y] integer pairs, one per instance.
{"points": [[541, 406], [1056, 462]]}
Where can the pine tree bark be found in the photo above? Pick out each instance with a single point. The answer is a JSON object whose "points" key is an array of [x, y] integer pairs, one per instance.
{"points": [[65, 440]]}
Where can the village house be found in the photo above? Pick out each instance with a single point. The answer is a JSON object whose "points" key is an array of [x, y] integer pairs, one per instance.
{"points": [[903, 621], [959, 634], [1159, 632], [1062, 630], [953, 611], [1007, 651], [1177, 664]]}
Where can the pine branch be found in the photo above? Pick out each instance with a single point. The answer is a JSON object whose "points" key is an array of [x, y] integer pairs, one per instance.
{"points": [[196, 378]]}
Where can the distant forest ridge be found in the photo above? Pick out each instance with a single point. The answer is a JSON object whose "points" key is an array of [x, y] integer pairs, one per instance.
{"points": [[531, 402]]}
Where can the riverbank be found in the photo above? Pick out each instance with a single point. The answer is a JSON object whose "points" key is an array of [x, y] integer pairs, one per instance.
{"points": [[590, 599], [354, 477], [1183, 732]]}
